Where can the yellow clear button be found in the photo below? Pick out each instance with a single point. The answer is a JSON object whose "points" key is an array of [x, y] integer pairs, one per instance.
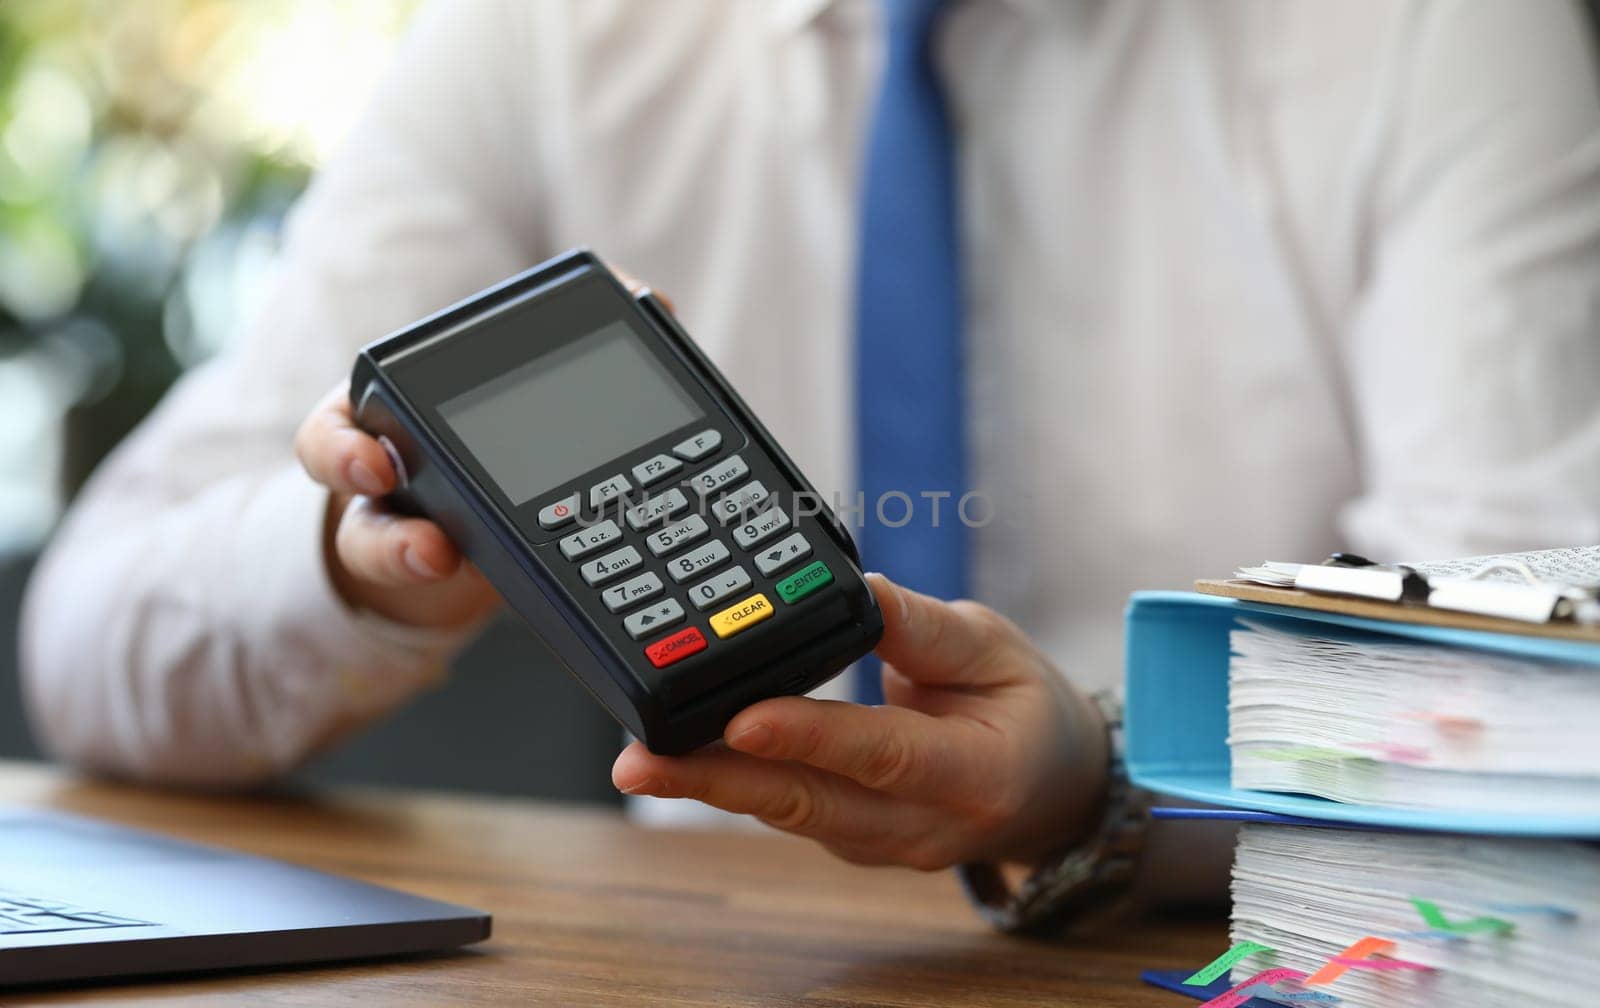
{"points": [[741, 616]]}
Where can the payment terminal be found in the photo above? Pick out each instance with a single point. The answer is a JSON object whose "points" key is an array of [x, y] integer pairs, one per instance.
{"points": [[580, 449]]}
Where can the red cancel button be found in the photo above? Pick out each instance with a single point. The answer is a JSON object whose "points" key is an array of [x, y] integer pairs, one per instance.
{"points": [[675, 648]]}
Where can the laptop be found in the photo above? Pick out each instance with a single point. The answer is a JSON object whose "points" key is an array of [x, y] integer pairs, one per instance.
{"points": [[82, 899]]}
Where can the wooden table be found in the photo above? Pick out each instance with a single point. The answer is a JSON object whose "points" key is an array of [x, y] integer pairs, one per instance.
{"points": [[591, 910]]}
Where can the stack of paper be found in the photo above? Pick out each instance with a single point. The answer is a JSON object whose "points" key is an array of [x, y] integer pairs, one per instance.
{"points": [[1383, 720], [1576, 566], [1422, 800], [1474, 922]]}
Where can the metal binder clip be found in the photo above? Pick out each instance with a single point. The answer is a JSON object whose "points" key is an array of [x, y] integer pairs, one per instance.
{"points": [[1508, 564], [1567, 601], [1403, 584]]}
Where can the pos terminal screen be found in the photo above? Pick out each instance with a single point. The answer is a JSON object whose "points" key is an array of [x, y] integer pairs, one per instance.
{"points": [[543, 423]]}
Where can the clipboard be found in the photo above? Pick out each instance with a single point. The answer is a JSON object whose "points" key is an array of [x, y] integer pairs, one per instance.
{"points": [[1395, 612]]}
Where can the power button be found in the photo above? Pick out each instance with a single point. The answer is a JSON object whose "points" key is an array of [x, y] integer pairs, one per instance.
{"points": [[558, 514]]}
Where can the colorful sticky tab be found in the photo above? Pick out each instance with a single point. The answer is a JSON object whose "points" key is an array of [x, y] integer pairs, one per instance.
{"points": [[1336, 966], [1262, 990], [1397, 751], [1447, 722], [1383, 964], [1299, 754], [1435, 919], [1224, 962], [1236, 996]]}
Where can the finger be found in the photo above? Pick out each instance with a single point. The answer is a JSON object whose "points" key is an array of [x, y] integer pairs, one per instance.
{"points": [[859, 855], [939, 643], [900, 691], [384, 548], [640, 289], [892, 750], [338, 454], [787, 796]]}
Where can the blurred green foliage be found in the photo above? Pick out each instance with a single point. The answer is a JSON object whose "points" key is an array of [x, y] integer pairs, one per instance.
{"points": [[148, 150]]}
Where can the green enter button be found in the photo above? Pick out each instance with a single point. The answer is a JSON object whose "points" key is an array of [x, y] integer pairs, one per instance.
{"points": [[804, 581]]}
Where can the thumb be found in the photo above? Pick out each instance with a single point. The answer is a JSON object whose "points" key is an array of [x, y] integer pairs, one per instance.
{"points": [[939, 643]]}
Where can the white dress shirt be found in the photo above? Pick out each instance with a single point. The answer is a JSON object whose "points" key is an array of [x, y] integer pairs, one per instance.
{"points": [[1247, 280]]}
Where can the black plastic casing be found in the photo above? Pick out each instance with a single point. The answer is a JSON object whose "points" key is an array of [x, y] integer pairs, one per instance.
{"points": [[394, 393]]}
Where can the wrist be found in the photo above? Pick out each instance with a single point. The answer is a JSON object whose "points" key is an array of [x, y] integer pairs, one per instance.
{"points": [[1081, 874], [1092, 754], [1074, 787]]}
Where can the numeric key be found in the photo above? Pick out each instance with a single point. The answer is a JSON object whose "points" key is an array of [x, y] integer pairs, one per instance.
{"points": [[632, 591], [677, 535], [587, 540], [613, 564], [657, 509], [708, 557], [750, 497], [724, 474], [761, 528], [714, 589]]}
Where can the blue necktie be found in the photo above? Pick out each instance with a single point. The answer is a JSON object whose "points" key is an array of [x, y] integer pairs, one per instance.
{"points": [[910, 419]]}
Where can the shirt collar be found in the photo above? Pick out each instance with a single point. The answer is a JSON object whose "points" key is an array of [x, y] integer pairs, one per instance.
{"points": [[794, 15]]}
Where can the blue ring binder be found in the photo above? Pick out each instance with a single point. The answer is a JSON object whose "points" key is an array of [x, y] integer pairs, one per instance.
{"points": [[1176, 718]]}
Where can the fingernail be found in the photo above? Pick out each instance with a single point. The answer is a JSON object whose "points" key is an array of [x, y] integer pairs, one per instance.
{"points": [[363, 478], [755, 739], [905, 607], [418, 566], [647, 786]]}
